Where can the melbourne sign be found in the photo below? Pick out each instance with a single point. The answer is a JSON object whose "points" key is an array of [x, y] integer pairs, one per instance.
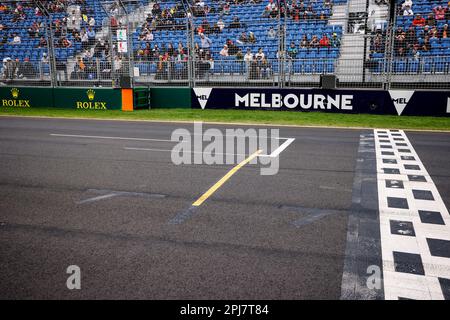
{"points": [[394, 102]]}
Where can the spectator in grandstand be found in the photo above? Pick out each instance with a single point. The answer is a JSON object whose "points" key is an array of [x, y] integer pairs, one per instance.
{"points": [[91, 36], [84, 38], [425, 31], [411, 37], [248, 56], [3, 8], [27, 69], [8, 69], [281, 54], [324, 42], [426, 46], [265, 69], [304, 43], [444, 33], [239, 55], [156, 52], [266, 12], [235, 24], [180, 48], [224, 51], [327, 4], [260, 56], [205, 41], [407, 3], [33, 30], [400, 43], [408, 11], [215, 29], [314, 43], [292, 51], [118, 64], [251, 37], [16, 39], [66, 43], [232, 48], [271, 34], [221, 25], [335, 42], [243, 38], [434, 33], [42, 43], [225, 9], [439, 12], [170, 50], [91, 22], [418, 21], [44, 58], [378, 44], [430, 20], [17, 68]]}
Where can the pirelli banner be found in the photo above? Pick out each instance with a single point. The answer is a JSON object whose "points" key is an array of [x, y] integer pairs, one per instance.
{"points": [[413, 103]]}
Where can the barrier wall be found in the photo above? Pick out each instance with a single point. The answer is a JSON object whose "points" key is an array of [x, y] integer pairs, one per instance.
{"points": [[171, 98], [70, 98], [395, 102], [88, 99], [26, 97], [95, 98]]}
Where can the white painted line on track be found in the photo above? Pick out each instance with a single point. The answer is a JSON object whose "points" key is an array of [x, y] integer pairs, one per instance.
{"points": [[94, 199], [414, 222], [192, 152], [280, 149], [108, 138]]}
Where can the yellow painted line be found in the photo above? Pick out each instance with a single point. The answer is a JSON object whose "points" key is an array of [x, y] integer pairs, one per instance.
{"points": [[225, 178]]}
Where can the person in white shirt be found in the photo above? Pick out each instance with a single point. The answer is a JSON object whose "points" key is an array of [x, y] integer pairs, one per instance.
{"points": [[407, 3], [92, 22], [260, 55], [221, 25], [44, 58], [248, 56], [408, 11], [224, 51], [272, 34], [16, 39], [149, 36]]}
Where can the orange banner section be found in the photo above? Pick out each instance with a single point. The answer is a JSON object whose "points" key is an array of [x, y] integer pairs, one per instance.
{"points": [[127, 100]]}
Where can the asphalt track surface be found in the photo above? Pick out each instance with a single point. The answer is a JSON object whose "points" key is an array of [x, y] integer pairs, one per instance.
{"points": [[257, 237]]}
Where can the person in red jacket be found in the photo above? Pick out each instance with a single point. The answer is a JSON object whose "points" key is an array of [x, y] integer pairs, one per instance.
{"points": [[418, 21], [324, 41]]}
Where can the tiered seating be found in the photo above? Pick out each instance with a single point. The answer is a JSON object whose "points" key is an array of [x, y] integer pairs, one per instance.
{"points": [[29, 49], [420, 52], [252, 19]]}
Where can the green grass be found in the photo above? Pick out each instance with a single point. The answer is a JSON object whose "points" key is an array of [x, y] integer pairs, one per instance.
{"points": [[254, 117]]}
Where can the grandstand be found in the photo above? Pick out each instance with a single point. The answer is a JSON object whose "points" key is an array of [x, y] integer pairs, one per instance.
{"points": [[365, 43]]}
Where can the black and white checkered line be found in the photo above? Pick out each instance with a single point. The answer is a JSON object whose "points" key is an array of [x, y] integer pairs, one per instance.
{"points": [[414, 223]]}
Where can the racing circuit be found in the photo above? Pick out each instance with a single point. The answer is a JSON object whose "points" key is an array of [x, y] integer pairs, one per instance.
{"points": [[105, 195]]}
